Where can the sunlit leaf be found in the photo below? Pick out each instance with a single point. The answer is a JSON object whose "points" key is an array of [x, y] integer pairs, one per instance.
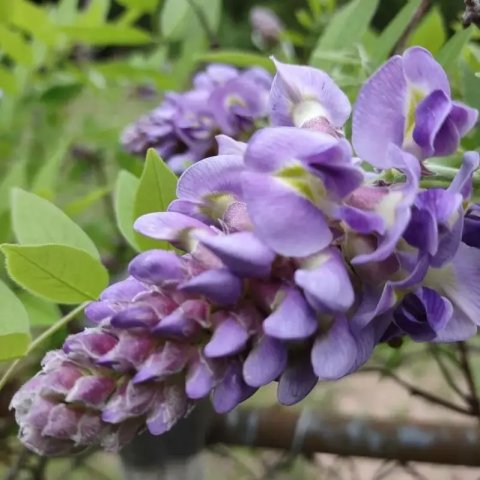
{"points": [[58, 273], [126, 188], [451, 51], [14, 325], [346, 28], [15, 46], [36, 221], [156, 190], [41, 312]]}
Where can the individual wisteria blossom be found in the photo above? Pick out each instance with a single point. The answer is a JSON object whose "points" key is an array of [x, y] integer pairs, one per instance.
{"points": [[291, 265], [183, 127], [408, 102]]}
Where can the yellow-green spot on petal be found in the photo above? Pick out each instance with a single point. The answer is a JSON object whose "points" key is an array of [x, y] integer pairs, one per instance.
{"points": [[215, 205], [387, 207], [415, 97]]}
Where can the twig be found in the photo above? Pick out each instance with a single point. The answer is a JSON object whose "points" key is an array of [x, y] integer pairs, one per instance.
{"points": [[468, 374], [414, 22], [202, 18], [408, 467], [445, 372], [413, 390], [40, 339]]}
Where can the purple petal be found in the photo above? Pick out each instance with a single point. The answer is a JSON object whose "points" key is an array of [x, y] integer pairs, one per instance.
{"points": [[463, 117], [171, 406], [296, 382], [447, 139], [230, 146], [200, 379], [386, 90], [156, 267], [300, 93], [423, 71], [219, 285], [135, 316], [92, 343], [287, 222], [62, 422], [293, 319], [231, 391], [273, 149], [91, 391], [243, 253], [171, 359], [334, 353], [265, 362], [430, 115], [166, 225], [229, 338], [212, 175], [328, 285], [462, 183]]}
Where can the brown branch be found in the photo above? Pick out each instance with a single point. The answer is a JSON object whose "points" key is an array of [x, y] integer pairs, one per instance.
{"points": [[445, 371], [414, 22], [472, 399], [347, 435]]}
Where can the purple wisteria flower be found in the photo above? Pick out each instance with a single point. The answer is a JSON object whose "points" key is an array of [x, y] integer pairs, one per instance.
{"points": [[183, 128], [292, 264], [408, 102]]}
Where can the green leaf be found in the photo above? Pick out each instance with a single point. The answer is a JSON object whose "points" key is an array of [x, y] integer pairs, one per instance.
{"points": [[34, 20], [14, 325], [8, 82], [126, 188], [173, 18], [36, 221], [95, 14], [40, 312], [107, 35], [148, 6], [451, 52], [430, 34], [15, 46], [66, 12], [60, 94], [156, 190], [471, 87], [393, 31], [238, 58], [347, 27], [57, 273]]}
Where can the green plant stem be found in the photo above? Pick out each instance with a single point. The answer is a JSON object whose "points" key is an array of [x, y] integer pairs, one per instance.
{"points": [[40, 339]]}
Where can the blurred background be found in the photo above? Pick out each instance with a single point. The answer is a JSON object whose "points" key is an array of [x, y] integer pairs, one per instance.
{"points": [[75, 73]]}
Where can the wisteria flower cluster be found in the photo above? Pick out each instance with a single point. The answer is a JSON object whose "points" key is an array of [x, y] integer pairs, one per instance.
{"points": [[296, 263], [183, 128]]}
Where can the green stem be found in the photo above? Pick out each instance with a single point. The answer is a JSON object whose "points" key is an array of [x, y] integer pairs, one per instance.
{"points": [[40, 339]]}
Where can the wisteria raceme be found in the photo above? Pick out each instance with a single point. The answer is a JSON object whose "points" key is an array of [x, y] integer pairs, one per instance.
{"points": [[183, 128], [296, 265]]}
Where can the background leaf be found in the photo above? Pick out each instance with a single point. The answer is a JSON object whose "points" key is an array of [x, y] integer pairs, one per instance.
{"points": [[238, 58], [40, 312], [157, 188], [392, 33], [430, 34], [126, 188], [14, 325], [346, 28], [36, 221], [57, 273], [451, 51]]}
